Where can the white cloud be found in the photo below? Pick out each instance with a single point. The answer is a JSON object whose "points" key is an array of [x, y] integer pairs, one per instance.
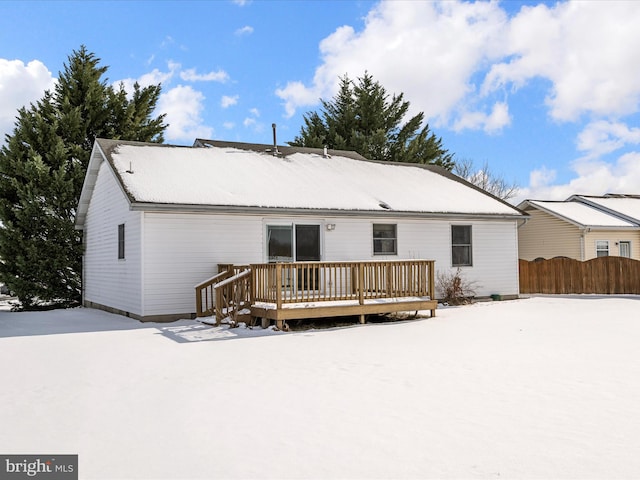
{"points": [[296, 95], [183, 106], [153, 77], [592, 177], [490, 123], [447, 56], [246, 30], [602, 137], [241, 3], [229, 125], [20, 85], [190, 75], [426, 50], [252, 121], [588, 50], [228, 101]]}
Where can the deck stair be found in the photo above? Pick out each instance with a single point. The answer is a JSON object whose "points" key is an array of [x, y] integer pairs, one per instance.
{"points": [[226, 296]]}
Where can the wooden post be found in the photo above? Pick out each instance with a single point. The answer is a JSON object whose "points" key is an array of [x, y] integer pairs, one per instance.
{"points": [[432, 289], [361, 284], [199, 312], [278, 286]]}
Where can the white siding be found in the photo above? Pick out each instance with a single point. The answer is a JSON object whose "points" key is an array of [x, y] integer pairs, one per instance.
{"points": [[110, 281], [182, 250], [495, 248]]}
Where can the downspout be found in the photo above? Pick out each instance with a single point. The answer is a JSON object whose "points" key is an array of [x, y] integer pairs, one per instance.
{"points": [[585, 230]]}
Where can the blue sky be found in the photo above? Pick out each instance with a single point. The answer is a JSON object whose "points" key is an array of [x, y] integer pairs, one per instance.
{"points": [[547, 94]]}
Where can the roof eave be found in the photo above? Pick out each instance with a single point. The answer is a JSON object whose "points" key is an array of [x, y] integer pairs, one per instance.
{"points": [[252, 210]]}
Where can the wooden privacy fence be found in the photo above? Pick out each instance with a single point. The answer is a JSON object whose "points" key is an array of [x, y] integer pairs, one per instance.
{"points": [[603, 275]]}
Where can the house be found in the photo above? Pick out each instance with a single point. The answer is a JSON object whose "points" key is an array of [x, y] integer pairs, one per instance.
{"points": [[581, 227], [157, 220]]}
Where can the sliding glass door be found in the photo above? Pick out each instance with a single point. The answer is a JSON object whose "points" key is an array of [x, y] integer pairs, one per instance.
{"points": [[295, 243]]}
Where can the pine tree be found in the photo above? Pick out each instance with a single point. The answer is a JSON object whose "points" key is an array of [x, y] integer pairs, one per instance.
{"points": [[42, 169], [362, 117]]}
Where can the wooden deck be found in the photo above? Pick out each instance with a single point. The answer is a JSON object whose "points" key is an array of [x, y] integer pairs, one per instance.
{"points": [[285, 291]]}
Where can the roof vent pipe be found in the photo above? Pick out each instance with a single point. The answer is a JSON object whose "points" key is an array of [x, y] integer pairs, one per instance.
{"points": [[325, 152], [275, 144]]}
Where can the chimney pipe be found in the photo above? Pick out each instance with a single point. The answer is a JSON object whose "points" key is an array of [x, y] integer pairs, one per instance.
{"points": [[275, 144]]}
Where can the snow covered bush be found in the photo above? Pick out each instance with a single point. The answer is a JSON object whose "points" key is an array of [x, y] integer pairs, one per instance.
{"points": [[453, 288]]}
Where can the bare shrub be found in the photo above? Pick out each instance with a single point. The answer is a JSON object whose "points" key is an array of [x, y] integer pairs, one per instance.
{"points": [[454, 289]]}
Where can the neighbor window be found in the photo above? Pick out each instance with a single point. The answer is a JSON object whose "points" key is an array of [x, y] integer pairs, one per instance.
{"points": [[121, 240], [602, 248], [384, 239], [625, 249], [461, 245]]}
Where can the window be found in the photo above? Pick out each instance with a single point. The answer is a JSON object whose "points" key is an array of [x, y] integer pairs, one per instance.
{"points": [[602, 248], [625, 249], [279, 243], [384, 239], [461, 245], [289, 243], [121, 241]]}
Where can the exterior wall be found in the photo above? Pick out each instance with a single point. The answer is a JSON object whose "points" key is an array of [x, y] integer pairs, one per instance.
{"points": [[182, 250], [547, 236], [108, 281], [614, 237]]}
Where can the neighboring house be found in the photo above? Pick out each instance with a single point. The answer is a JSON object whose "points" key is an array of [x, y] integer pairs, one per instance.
{"points": [[581, 227], [158, 219]]}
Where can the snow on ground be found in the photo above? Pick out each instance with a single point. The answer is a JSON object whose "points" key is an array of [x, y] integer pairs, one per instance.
{"points": [[547, 387]]}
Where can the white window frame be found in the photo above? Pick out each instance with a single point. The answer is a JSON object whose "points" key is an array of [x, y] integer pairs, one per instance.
{"points": [[625, 242], [292, 225], [463, 245], [602, 248], [383, 240]]}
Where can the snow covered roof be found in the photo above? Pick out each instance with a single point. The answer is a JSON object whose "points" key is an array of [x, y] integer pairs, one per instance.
{"points": [[226, 174], [624, 206], [579, 214]]}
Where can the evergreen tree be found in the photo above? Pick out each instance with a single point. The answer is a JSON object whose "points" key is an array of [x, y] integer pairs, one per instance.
{"points": [[362, 117], [42, 169]]}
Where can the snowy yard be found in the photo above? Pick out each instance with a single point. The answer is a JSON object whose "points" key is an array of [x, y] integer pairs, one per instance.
{"points": [[547, 387]]}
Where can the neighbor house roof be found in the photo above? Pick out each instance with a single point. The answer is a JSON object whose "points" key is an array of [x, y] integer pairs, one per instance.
{"points": [[622, 205], [579, 214], [237, 175]]}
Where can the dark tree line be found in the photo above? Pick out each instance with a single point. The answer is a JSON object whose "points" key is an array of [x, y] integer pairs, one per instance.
{"points": [[42, 169]]}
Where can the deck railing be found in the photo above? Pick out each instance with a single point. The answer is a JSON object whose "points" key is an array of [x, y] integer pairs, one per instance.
{"points": [[282, 283], [206, 293], [233, 295], [239, 287]]}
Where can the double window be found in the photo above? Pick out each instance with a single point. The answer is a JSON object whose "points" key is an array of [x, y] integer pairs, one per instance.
{"points": [[385, 239], [461, 251], [293, 243]]}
